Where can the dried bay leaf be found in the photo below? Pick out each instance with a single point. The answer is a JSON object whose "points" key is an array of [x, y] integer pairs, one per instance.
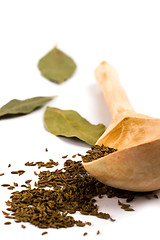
{"points": [[56, 66], [69, 123], [15, 106]]}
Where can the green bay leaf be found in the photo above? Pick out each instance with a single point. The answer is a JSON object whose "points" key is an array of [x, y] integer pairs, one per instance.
{"points": [[69, 123], [15, 106], [56, 66]]}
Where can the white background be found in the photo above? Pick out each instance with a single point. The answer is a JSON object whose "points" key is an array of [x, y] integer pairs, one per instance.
{"points": [[124, 33]]}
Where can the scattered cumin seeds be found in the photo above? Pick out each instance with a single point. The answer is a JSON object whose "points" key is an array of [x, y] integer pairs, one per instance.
{"points": [[1, 174], [46, 149], [79, 223], [7, 223], [9, 165], [19, 172], [96, 152], [23, 226], [53, 162], [125, 207], [71, 189], [44, 233], [30, 164]]}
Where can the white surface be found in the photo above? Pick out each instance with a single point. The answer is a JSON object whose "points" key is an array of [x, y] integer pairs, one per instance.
{"points": [[124, 33]]}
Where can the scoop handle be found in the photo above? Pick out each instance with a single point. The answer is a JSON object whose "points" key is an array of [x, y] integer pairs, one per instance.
{"points": [[115, 96]]}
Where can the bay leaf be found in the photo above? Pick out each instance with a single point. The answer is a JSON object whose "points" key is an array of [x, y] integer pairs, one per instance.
{"points": [[56, 66], [16, 106], [70, 123]]}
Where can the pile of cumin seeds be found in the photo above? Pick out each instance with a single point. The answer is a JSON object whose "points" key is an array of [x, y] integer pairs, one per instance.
{"points": [[71, 189], [96, 152]]}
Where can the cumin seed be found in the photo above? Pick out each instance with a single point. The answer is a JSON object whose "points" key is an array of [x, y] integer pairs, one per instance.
{"points": [[5, 185], [20, 172], [84, 234], [14, 172], [5, 213], [11, 187], [28, 181], [98, 232], [65, 156], [7, 223]]}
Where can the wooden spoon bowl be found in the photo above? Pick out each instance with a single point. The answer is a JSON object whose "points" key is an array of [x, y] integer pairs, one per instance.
{"points": [[136, 164]]}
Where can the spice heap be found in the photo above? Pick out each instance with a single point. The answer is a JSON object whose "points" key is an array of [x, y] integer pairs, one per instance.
{"points": [[97, 152], [71, 189]]}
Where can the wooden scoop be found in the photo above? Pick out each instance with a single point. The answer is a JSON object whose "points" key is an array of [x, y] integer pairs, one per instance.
{"points": [[136, 164]]}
